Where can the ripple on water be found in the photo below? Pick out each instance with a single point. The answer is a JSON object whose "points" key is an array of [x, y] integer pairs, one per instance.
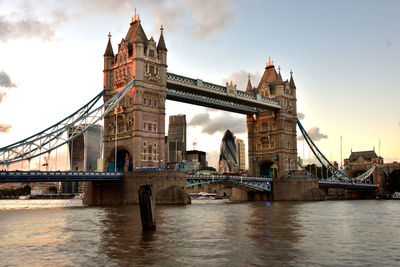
{"points": [[214, 233]]}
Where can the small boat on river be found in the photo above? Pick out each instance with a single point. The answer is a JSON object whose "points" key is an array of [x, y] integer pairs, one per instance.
{"points": [[202, 195]]}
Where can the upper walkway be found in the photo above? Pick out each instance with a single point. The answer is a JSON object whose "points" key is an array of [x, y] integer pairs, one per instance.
{"points": [[198, 92]]}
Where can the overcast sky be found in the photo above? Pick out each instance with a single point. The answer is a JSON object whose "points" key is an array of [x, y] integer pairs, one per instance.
{"points": [[345, 57]]}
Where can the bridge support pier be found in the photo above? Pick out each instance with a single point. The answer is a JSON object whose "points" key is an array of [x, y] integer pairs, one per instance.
{"points": [[303, 189], [238, 195], [169, 188]]}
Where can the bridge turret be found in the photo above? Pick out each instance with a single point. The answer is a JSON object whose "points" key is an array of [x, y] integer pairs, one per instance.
{"points": [[272, 134], [162, 55], [108, 64], [134, 134]]}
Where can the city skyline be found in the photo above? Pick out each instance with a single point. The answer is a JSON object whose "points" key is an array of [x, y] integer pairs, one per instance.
{"points": [[57, 49]]}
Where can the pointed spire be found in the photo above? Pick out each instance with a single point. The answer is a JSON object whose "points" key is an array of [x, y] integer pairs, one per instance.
{"points": [[279, 73], [136, 17], [269, 63], [109, 50], [161, 43], [249, 88], [291, 83]]}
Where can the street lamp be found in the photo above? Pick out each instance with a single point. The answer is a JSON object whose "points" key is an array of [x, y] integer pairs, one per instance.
{"points": [[117, 110]]}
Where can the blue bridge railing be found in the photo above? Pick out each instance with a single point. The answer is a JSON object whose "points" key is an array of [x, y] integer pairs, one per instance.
{"points": [[57, 176]]}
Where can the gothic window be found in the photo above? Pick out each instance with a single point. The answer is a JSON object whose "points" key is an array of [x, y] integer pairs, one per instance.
{"points": [[264, 126], [155, 103], [121, 125], [149, 127], [155, 127], [144, 101], [144, 126], [151, 53], [144, 143], [150, 149], [150, 102], [155, 145], [151, 69]]}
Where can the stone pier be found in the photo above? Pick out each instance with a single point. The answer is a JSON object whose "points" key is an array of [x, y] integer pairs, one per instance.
{"points": [[298, 189], [169, 188]]}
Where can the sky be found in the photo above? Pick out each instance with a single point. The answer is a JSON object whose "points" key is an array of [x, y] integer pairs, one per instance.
{"points": [[345, 57]]}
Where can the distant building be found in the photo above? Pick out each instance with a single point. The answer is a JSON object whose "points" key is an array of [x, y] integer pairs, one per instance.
{"points": [[196, 155], [228, 157], [176, 141], [84, 152], [363, 157], [241, 154]]}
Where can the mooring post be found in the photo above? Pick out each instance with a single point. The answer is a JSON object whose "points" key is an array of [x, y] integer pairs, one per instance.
{"points": [[147, 208]]}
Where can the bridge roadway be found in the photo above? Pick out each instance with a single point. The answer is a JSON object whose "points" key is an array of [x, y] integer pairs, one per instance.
{"points": [[198, 92], [256, 183]]}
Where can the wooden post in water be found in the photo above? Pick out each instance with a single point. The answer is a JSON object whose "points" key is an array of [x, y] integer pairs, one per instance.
{"points": [[147, 208]]}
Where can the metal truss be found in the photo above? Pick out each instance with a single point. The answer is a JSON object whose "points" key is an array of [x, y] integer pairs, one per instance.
{"points": [[336, 174], [196, 91], [58, 176], [192, 98], [62, 132], [254, 183]]}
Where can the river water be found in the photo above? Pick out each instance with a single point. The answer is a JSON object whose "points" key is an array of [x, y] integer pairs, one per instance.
{"points": [[206, 233]]}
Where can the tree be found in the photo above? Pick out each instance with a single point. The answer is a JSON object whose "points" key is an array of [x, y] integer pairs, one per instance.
{"points": [[393, 181]]}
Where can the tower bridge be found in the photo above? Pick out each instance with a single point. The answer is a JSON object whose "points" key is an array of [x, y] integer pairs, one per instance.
{"points": [[136, 86]]}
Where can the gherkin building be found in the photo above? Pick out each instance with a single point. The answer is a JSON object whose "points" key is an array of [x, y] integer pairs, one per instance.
{"points": [[228, 157]]}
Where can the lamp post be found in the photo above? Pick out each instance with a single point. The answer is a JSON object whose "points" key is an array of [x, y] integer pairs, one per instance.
{"points": [[117, 110]]}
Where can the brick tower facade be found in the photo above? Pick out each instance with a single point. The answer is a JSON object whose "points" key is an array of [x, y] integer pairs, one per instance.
{"points": [[272, 134], [138, 122]]}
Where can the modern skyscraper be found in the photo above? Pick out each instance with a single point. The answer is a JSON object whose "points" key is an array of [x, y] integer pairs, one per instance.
{"points": [[84, 151], [228, 157], [176, 144], [241, 154]]}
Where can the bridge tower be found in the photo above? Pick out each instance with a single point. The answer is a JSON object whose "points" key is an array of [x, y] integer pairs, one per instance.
{"points": [[272, 134], [134, 132]]}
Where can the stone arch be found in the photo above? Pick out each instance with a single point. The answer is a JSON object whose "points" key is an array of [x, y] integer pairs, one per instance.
{"points": [[266, 169], [124, 159]]}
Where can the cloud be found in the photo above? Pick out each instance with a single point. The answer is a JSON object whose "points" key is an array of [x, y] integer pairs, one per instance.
{"points": [[5, 80], [114, 7], [204, 21], [25, 28], [4, 128], [314, 134], [300, 116], [210, 16], [219, 124], [240, 78], [199, 119]]}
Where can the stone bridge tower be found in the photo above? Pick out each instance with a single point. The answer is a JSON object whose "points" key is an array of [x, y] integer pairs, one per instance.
{"points": [[272, 134], [134, 133]]}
